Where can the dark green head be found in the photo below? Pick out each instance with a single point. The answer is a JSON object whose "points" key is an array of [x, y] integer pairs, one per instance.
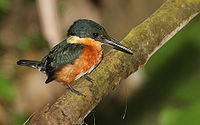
{"points": [[84, 28]]}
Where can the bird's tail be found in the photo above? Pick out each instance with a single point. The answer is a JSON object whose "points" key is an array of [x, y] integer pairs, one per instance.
{"points": [[30, 63]]}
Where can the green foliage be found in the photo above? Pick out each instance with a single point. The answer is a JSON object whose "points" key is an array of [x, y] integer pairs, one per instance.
{"points": [[31, 42], [187, 116], [4, 7], [7, 91], [24, 45], [18, 119], [188, 111], [188, 91]]}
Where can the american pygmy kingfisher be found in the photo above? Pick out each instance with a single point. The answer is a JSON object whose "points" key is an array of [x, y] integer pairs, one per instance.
{"points": [[77, 55]]}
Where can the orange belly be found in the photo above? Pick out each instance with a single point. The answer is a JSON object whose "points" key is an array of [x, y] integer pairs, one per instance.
{"points": [[85, 63]]}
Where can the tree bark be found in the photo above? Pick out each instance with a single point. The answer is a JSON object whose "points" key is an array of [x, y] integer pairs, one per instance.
{"points": [[143, 40]]}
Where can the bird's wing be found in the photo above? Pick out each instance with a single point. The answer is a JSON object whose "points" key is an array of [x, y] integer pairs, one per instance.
{"points": [[63, 53]]}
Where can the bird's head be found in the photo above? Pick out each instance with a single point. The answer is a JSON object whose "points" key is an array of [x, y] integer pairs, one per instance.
{"points": [[84, 28]]}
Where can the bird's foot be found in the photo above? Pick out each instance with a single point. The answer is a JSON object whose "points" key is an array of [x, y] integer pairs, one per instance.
{"points": [[75, 91], [88, 78]]}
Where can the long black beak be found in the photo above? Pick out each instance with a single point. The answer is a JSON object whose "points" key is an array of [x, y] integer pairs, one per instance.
{"points": [[117, 45]]}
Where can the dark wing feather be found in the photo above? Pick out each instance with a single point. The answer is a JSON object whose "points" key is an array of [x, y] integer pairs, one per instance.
{"points": [[63, 53]]}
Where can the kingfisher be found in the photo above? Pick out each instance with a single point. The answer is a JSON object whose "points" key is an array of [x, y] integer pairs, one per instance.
{"points": [[77, 55]]}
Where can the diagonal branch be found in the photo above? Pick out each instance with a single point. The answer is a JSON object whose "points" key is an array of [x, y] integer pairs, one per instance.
{"points": [[144, 40]]}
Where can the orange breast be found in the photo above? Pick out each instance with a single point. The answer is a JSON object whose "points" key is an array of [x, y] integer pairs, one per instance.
{"points": [[90, 58]]}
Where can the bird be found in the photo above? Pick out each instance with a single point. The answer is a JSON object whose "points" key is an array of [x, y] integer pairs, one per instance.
{"points": [[77, 55]]}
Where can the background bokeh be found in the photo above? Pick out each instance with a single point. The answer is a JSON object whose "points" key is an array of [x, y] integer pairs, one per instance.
{"points": [[164, 92]]}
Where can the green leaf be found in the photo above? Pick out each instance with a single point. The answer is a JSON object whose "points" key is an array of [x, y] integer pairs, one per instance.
{"points": [[184, 105]]}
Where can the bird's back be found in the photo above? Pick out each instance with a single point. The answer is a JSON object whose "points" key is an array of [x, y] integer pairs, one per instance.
{"points": [[62, 54]]}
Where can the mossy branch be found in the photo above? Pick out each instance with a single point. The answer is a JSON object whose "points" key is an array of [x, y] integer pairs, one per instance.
{"points": [[144, 40]]}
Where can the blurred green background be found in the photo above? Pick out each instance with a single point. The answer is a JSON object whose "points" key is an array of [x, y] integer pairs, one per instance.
{"points": [[164, 92]]}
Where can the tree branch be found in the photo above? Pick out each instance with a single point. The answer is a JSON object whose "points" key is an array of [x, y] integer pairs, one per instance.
{"points": [[144, 40], [49, 21]]}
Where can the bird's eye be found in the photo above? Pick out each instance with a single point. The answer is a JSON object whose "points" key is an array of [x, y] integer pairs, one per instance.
{"points": [[95, 35]]}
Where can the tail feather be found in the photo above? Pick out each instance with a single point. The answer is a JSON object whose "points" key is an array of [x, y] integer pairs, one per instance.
{"points": [[30, 63]]}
